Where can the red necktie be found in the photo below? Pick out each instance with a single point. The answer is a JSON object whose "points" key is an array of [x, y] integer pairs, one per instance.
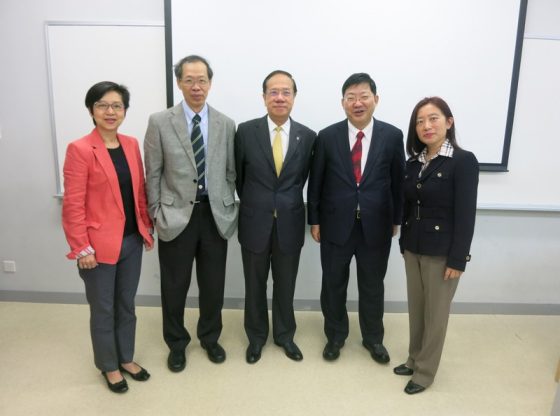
{"points": [[357, 156]]}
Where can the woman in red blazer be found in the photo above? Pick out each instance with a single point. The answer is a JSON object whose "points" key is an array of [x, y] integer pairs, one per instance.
{"points": [[440, 189], [106, 222]]}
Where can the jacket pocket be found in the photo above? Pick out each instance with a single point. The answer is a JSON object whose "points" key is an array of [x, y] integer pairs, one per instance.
{"points": [[167, 199], [228, 200]]}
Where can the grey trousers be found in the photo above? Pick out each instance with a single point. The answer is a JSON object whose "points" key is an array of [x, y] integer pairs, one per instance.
{"points": [[429, 302], [110, 292]]}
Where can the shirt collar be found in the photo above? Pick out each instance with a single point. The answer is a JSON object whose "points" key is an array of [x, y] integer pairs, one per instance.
{"points": [[189, 113], [272, 125], [446, 150], [353, 130]]}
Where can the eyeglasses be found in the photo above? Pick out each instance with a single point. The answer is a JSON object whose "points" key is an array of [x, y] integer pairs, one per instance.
{"points": [[103, 106], [277, 93], [351, 99], [189, 82]]}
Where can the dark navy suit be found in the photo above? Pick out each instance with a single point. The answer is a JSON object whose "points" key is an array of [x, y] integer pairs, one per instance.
{"points": [[333, 200], [271, 224]]}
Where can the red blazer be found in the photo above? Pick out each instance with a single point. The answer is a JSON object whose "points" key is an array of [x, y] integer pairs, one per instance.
{"points": [[92, 209]]}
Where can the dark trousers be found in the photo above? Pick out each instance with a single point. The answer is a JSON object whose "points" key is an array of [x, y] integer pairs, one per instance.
{"points": [[371, 265], [200, 240], [110, 292], [284, 268]]}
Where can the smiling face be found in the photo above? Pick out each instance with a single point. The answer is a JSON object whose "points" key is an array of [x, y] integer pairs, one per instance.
{"points": [[432, 126], [359, 103], [279, 98], [108, 112]]}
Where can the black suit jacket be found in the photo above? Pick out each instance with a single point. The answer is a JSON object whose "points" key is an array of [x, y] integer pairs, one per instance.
{"points": [[262, 192], [440, 207], [333, 195]]}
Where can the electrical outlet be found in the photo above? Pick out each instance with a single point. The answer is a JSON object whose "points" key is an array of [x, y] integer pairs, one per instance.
{"points": [[9, 266]]}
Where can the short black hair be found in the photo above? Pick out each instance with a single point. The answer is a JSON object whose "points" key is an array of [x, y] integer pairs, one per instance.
{"points": [[279, 72], [359, 78], [178, 68], [97, 91]]}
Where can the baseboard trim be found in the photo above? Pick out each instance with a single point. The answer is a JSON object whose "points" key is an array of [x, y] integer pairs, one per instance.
{"points": [[299, 304]]}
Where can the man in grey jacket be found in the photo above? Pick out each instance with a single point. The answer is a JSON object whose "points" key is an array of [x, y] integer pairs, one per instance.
{"points": [[190, 182]]}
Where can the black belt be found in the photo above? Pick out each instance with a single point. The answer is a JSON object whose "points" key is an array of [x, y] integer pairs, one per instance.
{"points": [[201, 198]]}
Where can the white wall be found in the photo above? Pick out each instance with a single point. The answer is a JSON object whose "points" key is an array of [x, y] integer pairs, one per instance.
{"points": [[514, 253]]}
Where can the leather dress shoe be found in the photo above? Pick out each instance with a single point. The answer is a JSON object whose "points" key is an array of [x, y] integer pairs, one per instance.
{"points": [[253, 353], [413, 388], [141, 375], [176, 361], [403, 370], [378, 352], [118, 387], [215, 352], [291, 349], [332, 350]]}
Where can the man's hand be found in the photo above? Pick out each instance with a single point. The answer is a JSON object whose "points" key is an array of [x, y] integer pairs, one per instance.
{"points": [[316, 233]]}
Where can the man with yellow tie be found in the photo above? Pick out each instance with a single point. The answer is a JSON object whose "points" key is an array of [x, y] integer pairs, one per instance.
{"points": [[272, 156]]}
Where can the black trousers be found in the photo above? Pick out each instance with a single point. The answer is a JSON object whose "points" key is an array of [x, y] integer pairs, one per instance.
{"points": [[200, 240], [371, 265], [256, 267]]}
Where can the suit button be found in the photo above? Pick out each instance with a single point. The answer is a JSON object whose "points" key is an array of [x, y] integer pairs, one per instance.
{"points": [[418, 185], [437, 227], [194, 180], [418, 202], [468, 258], [192, 202], [439, 175]]}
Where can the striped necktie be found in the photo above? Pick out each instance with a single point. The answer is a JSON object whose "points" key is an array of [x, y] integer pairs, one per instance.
{"points": [[198, 149], [357, 156]]}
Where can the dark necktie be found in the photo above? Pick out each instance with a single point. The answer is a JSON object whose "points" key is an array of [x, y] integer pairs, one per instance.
{"points": [[198, 149], [357, 156]]}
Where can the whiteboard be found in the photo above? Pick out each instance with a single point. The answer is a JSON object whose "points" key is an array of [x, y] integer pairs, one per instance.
{"points": [[462, 50], [82, 54]]}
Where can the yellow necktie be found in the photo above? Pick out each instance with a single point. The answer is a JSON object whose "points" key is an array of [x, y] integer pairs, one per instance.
{"points": [[277, 151]]}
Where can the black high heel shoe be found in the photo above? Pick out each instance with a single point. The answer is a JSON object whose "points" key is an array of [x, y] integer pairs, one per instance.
{"points": [[118, 387], [141, 375]]}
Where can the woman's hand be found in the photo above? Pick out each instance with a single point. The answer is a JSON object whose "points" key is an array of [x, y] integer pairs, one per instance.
{"points": [[87, 262], [148, 246], [451, 273]]}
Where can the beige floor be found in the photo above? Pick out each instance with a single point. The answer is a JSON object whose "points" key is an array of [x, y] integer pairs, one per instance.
{"points": [[492, 365]]}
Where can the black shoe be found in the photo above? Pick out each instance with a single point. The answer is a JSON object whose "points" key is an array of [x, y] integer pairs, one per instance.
{"points": [[118, 387], [413, 388], [378, 352], [332, 350], [291, 349], [253, 353], [141, 375], [176, 361], [215, 352], [403, 370]]}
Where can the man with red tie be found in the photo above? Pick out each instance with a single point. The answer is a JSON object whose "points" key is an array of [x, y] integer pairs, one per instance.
{"points": [[354, 209]]}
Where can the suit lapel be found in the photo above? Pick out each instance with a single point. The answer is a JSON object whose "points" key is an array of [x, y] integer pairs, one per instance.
{"points": [[293, 143], [434, 164], [376, 146], [102, 155], [344, 149], [213, 140], [179, 123], [263, 139]]}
